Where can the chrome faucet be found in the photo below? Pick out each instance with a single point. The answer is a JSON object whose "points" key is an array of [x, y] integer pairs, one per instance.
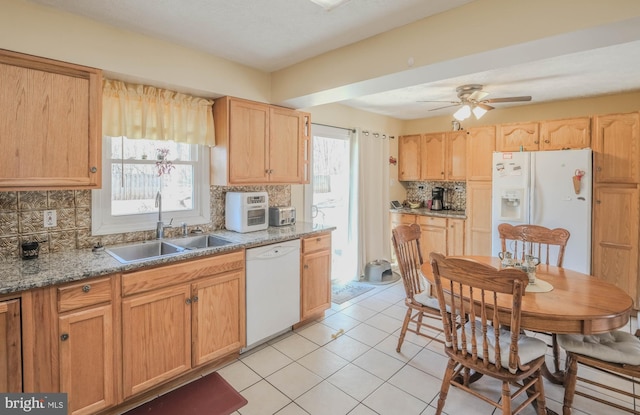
{"points": [[160, 225]]}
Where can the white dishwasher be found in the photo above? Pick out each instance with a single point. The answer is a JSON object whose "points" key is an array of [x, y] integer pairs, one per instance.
{"points": [[273, 290]]}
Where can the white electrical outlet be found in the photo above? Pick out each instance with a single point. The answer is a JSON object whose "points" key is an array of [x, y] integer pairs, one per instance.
{"points": [[50, 218]]}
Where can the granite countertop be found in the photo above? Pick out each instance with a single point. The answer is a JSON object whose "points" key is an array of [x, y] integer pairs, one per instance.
{"points": [[50, 269], [456, 214]]}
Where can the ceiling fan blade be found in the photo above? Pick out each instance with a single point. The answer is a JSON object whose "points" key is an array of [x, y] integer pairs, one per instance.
{"points": [[485, 106], [477, 96], [448, 102], [446, 106], [507, 99]]}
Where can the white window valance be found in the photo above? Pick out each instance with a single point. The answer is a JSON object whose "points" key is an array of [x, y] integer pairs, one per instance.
{"points": [[142, 111]]}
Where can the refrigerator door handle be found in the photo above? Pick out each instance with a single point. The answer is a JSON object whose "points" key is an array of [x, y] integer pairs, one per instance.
{"points": [[532, 190]]}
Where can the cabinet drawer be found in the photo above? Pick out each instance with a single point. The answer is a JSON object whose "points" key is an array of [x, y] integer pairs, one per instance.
{"points": [[316, 243], [432, 221], [153, 278], [84, 293]]}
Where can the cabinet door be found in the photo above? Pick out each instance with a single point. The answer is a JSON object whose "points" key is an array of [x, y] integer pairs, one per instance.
{"points": [[218, 317], [478, 223], [433, 157], [433, 235], [87, 371], [511, 137], [10, 347], [615, 236], [481, 143], [409, 157], [455, 237], [50, 126], [456, 156], [286, 152], [248, 138], [565, 134], [315, 286], [156, 337], [615, 148]]}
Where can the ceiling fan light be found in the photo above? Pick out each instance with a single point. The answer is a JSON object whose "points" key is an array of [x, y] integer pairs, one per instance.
{"points": [[329, 5], [463, 113], [479, 112]]}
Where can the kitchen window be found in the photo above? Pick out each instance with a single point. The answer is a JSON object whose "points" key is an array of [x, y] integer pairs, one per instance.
{"points": [[134, 171]]}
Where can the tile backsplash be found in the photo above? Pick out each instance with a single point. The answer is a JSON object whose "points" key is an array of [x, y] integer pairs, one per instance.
{"points": [[454, 199], [22, 216]]}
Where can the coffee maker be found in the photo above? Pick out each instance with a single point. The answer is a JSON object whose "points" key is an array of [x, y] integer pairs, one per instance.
{"points": [[437, 196]]}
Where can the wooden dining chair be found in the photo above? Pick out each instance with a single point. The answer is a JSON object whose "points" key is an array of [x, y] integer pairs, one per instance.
{"points": [[483, 345], [616, 353], [546, 244], [543, 243], [422, 309]]}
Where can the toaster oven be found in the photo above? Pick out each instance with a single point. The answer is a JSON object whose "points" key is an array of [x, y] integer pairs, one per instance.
{"points": [[246, 211], [282, 216]]}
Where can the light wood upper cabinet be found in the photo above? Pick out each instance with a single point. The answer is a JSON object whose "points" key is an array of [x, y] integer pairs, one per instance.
{"points": [[258, 143], [517, 136], [565, 134], [50, 128], [315, 275], [10, 347], [456, 156], [481, 143], [615, 146], [561, 134], [409, 157], [616, 226], [433, 165]]}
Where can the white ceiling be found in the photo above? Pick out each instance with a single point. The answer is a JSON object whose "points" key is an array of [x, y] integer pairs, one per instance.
{"points": [[270, 35]]}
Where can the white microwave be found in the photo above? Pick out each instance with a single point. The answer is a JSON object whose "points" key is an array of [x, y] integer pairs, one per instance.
{"points": [[247, 211]]}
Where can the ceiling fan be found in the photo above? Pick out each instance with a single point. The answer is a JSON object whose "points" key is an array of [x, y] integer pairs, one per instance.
{"points": [[471, 98]]}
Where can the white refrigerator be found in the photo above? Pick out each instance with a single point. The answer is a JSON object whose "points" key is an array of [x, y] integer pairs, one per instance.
{"points": [[539, 188]]}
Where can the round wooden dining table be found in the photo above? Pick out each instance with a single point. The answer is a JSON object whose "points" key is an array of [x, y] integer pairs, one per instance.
{"points": [[577, 304]]}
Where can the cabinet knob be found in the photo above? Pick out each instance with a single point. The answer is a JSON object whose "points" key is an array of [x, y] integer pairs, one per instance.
{"points": [[598, 202], [86, 288], [306, 266], [599, 168], [93, 169], [195, 299], [64, 337], [187, 301], [547, 141], [536, 142]]}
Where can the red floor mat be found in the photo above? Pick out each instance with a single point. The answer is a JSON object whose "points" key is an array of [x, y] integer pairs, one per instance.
{"points": [[210, 395]]}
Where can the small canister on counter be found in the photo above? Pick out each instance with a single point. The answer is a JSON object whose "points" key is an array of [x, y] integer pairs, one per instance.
{"points": [[30, 250]]}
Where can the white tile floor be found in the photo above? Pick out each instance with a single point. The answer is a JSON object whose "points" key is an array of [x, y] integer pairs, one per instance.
{"points": [[359, 372]]}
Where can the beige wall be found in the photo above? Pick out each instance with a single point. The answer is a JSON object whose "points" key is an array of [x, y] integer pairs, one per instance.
{"points": [[606, 104]]}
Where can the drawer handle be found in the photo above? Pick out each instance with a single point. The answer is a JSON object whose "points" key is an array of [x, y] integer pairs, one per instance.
{"points": [[64, 337], [86, 288]]}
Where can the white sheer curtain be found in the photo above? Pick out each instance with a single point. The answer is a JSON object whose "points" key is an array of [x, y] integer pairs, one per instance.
{"points": [[371, 187]]}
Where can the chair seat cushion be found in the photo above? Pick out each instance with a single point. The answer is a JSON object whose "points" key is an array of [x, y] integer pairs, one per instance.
{"points": [[614, 347], [426, 300], [529, 348]]}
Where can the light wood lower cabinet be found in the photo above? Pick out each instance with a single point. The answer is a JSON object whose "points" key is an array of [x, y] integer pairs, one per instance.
{"points": [[87, 344], [433, 235], [315, 275], [455, 236], [478, 226], [10, 347], [180, 316]]}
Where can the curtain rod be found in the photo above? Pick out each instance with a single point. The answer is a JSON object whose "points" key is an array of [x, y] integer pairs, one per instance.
{"points": [[353, 130]]}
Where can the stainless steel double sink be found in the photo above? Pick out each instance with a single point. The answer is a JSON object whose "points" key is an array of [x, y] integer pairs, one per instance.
{"points": [[162, 248]]}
